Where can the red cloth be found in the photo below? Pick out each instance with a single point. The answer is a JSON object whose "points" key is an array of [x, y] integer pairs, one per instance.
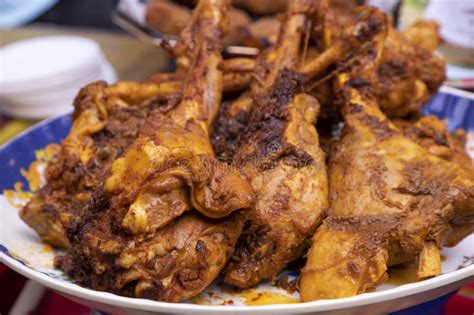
{"points": [[55, 304], [461, 303], [11, 284]]}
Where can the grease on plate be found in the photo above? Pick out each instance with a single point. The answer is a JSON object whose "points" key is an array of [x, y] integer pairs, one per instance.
{"points": [[402, 274], [254, 297], [37, 256]]}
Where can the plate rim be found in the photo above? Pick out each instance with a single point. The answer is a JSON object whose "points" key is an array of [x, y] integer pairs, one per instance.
{"points": [[75, 290], [33, 127], [72, 289], [457, 92]]}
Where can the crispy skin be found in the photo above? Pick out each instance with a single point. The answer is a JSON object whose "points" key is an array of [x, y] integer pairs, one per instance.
{"points": [[433, 135], [279, 152], [390, 199], [408, 74], [135, 239], [178, 262], [289, 178], [174, 152], [106, 122]]}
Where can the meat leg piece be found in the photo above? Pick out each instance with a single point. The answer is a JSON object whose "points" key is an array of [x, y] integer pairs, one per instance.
{"points": [[391, 201], [107, 119], [152, 249], [280, 154], [148, 185]]}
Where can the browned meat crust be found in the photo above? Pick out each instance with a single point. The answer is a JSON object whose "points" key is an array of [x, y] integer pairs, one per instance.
{"points": [[104, 126], [391, 200], [143, 235], [150, 208]]}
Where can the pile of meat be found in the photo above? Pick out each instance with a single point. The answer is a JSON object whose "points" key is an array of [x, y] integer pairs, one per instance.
{"points": [[313, 150]]}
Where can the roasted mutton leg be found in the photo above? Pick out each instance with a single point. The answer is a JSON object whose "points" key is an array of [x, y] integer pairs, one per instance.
{"points": [[237, 75], [291, 196], [144, 249], [391, 201], [107, 119], [150, 184], [279, 152]]}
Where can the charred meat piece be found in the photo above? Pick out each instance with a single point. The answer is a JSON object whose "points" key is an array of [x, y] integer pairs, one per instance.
{"points": [[142, 236], [278, 150], [391, 200], [107, 119]]}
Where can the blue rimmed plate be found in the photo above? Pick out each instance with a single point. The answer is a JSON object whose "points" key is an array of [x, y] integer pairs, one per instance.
{"points": [[22, 251]]}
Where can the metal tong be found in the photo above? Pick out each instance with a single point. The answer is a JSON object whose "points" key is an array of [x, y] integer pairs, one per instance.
{"points": [[157, 38]]}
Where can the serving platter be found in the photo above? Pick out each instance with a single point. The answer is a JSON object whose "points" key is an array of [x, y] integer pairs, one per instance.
{"points": [[21, 250]]}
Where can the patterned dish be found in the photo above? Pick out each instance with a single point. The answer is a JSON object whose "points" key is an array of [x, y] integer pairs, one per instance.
{"points": [[21, 250]]}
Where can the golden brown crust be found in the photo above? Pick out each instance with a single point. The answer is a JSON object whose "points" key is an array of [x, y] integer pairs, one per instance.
{"points": [[142, 235], [433, 135], [105, 123], [390, 199], [278, 150]]}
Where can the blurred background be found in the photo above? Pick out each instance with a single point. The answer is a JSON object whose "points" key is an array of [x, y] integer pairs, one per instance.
{"points": [[49, 49]]}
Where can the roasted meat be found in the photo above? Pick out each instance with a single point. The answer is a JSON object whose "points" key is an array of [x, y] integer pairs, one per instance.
{"points": [[391, 200], [237, 167], [410, 72], [269, 133], [174, 264], [129, 240], [149, 185], [279, 152], [107, 119], [433, 135]]}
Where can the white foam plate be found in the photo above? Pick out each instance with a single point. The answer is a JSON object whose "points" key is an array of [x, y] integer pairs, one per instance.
{"points": [[44, 61], [47, 103]]}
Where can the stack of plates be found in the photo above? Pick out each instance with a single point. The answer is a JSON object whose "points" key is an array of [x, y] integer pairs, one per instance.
{"points": [[40, 77]]}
